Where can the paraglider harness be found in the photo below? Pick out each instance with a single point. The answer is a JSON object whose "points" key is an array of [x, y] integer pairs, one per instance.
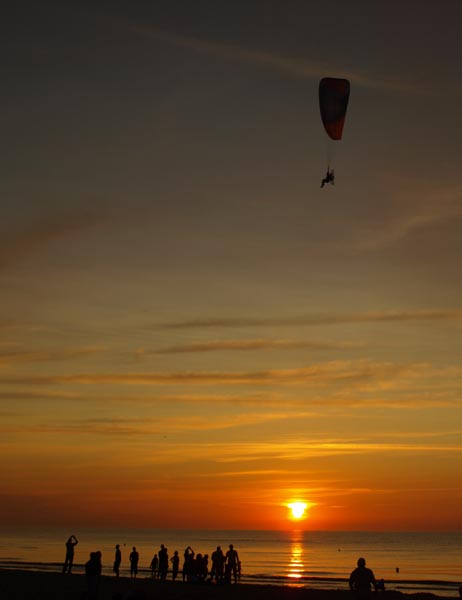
{"points": [[329, 178]]}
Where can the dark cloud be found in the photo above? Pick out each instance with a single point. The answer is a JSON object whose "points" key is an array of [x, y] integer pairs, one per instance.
{"points": [[320, 374], [316, 319], [244, 345], [12, 357]]}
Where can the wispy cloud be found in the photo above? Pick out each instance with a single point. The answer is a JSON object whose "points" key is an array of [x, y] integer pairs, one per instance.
{"points": [[337, 382], [304, 450], [286, 65], [316, 319], [417, 207], [437, 390], [153, 431], [319, 374], [248, 345], [148, 427], [13, 357], [14, 397], [27, 242], [396, 394]]}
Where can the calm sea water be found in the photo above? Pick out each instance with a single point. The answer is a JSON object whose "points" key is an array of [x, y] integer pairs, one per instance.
{"points": [[430, 562]]}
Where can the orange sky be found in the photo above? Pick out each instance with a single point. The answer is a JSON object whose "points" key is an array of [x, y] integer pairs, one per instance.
{"points": [[193, 334], [351, 439]]}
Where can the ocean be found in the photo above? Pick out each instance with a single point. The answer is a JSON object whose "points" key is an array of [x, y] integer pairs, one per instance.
{"points": [[408, 562]]}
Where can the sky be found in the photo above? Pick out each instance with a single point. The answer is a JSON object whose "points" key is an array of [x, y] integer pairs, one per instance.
{"points": [[193, 334]]}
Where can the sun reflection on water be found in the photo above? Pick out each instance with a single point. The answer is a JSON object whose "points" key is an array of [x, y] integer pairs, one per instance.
{"points": [[296, 566]]}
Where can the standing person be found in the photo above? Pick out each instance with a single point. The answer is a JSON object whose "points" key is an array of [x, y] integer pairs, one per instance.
{"points": [[117, 560], [134, 558], [154, 565], [361, 580], [204, 570], [218, 564], [93, 574], [188, 563], [70, 544], [175, 560], [197, 568], [232, 563], [163, 562]]}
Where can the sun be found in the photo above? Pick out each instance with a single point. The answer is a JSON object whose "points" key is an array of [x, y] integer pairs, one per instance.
{"points": [[297, 510]]}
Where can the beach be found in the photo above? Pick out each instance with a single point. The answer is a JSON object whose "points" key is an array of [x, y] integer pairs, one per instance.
{"points": [[22, 585]]}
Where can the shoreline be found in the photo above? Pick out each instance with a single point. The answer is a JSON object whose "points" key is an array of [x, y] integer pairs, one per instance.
{"points": [[21, 584]]}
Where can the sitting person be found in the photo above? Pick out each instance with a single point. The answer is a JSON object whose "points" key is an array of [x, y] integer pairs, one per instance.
{"points": [[361, 580]]}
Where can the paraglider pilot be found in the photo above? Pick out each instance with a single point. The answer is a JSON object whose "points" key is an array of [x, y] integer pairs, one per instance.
{"points": [[329, 178]]}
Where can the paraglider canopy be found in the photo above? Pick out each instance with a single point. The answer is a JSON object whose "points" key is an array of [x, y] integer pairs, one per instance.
{"points": [[333, 102]]}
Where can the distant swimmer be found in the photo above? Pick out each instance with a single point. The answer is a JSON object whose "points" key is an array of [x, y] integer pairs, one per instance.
{"points": [[329, 178]]}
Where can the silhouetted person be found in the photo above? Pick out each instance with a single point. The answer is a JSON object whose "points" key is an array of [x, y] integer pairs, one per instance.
{"points": [[134, 558], [329, 178], [117, 560], [196, 566], [175, 560], [154, 566], [163, 562], [93, 574], [200, 567], [218, 564], [188, 563], [232, 563], [361, 580], [204, 569], [70, 544]]}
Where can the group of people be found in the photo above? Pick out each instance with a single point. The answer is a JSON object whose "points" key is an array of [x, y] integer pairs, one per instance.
{"points": [[93, 567], [160, 562], [224, 568]]}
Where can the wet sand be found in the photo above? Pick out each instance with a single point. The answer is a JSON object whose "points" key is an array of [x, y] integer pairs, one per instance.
{"points": [[22, 585]]}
